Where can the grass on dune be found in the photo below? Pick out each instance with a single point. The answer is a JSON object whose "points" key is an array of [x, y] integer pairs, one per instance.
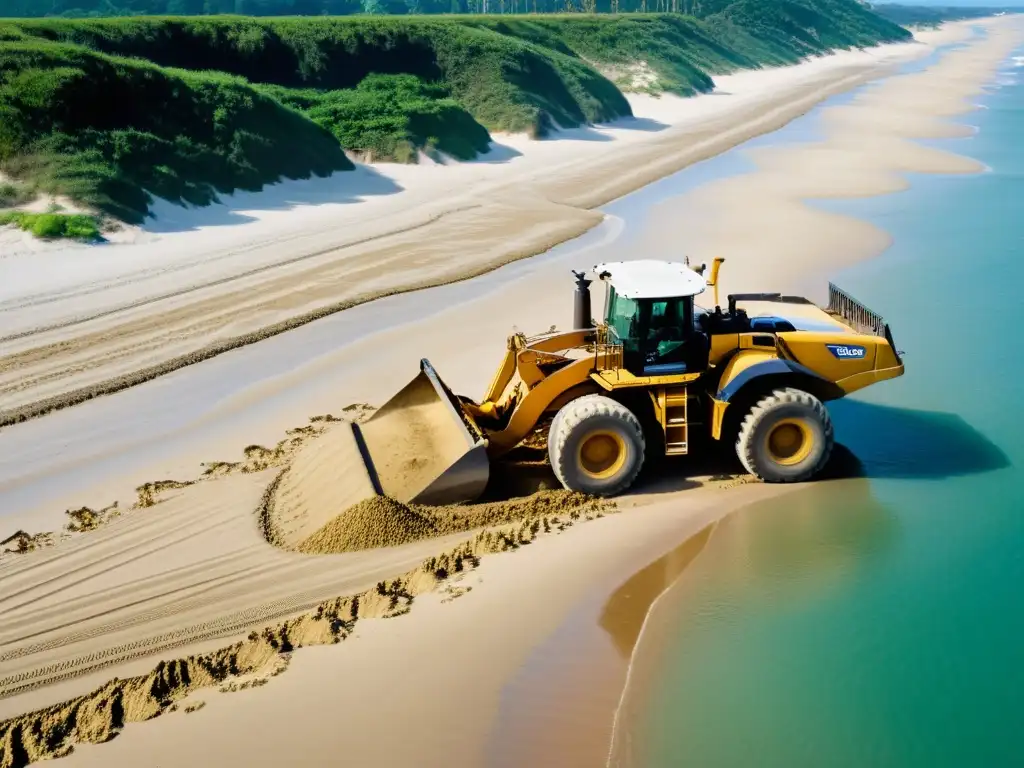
{"points": [[111, 112], [54, 225]]}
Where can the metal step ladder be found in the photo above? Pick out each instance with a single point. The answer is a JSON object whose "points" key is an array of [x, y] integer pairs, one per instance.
{"points": [[673, 409]]}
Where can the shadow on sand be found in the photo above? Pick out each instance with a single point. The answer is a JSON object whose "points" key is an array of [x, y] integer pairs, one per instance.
{"points": [[593, 132], [338, 188], [498, 153]]}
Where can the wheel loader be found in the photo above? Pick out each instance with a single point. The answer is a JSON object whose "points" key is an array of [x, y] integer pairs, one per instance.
{"points": [[653, 377]]}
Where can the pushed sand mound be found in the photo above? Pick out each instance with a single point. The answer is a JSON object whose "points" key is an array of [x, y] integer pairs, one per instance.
{"points": [[372, 523], [384, 522], [324, 501], [324, 477]]}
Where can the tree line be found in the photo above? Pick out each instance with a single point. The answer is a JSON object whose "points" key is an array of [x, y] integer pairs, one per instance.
{"points": [[99, 8]]}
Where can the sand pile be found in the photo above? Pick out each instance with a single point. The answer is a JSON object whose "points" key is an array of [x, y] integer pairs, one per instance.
{"points": [[101, 715], [384, 522], [375, 522]]}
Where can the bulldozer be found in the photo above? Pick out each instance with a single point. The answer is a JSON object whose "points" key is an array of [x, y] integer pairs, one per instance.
{"points": [[657, 376]]}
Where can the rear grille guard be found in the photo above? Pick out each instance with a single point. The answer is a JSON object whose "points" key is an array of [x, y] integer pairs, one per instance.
{"points": [[852, 311], [858, 316]]}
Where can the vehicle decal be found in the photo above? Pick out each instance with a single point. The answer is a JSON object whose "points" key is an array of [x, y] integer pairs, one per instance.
{"points": [[847, 351]]}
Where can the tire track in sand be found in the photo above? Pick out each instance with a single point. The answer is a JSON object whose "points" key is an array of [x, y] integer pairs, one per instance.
{"points": [[193, 568]]}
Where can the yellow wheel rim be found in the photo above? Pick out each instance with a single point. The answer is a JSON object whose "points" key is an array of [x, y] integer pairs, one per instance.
{"points": [[789, 442], [601, 454]]}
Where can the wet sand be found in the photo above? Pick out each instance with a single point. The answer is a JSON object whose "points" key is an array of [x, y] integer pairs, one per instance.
{"points": [[578, 674]]}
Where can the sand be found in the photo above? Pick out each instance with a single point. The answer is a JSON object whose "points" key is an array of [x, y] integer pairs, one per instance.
{"points": [[443, 687], [385, 522], [78, 324], [326, 477], [67, 609], [194, 570]]}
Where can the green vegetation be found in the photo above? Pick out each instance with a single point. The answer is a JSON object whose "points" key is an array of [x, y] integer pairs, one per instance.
{"points": [[934, 15], [12, 195], [112, 111], [107, 131], [54, 225], [391, 116]]}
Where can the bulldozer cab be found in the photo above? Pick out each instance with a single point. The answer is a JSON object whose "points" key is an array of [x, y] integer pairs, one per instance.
{"points": [[649, 310]]}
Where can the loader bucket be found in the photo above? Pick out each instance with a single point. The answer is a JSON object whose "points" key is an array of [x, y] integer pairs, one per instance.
{"points": [[422, 447]]}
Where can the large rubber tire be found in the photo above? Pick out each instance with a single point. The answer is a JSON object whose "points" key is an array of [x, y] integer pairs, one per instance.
{"points": [[596, 446], [786, 437]]}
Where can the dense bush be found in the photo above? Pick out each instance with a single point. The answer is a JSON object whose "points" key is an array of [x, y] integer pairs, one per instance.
{"points": [[503, 81], [106, 130], [391, 117], [14, 194]]}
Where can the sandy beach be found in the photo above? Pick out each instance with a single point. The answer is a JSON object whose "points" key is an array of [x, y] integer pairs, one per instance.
{"points": [[183, 573]]}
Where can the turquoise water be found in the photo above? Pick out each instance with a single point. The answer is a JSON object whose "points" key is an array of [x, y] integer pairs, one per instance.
{"points": [[879, 620]]}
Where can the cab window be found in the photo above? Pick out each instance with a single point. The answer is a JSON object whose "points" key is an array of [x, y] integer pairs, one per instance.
{"points": [[666, 327], [622, 317]]}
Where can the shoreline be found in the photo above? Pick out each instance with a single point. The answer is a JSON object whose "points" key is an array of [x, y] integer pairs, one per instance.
{"points": [[654, 634], [134, 338]]}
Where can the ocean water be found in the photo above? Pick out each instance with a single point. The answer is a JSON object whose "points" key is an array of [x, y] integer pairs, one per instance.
{"points": [[878, 620]]}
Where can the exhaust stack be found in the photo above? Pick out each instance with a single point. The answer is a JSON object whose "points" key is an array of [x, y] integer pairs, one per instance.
{"points": [[582, 317]]}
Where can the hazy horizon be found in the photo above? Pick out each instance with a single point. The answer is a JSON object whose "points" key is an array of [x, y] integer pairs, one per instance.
{"points": [[955, 3]]}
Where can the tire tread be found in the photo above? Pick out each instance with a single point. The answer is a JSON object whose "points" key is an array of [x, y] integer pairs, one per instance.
{"points": [[745, 447], [574, 413]]}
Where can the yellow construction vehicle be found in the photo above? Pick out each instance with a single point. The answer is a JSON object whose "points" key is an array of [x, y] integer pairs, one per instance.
{"points": [[656, 374]]}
